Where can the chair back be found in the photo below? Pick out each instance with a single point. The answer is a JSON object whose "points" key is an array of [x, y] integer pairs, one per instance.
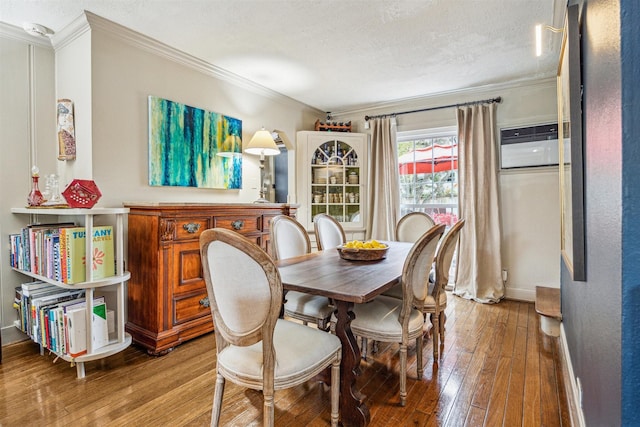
{"points": [[288, 238], [445, 256], [415, 274], [244, 289], [412, 226], [329, 232]]}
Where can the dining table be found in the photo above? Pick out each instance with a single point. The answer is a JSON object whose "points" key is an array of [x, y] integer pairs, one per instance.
{"points": [[346, 283]]}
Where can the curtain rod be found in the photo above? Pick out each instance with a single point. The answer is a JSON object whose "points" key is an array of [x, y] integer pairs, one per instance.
{"points": [[489, 101]]}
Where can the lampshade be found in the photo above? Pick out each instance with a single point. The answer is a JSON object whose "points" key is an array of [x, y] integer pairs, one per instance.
{"points": [[262, 143]]}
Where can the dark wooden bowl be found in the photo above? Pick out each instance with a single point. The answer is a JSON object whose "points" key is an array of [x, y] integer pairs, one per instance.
{"points": [[362, 254]]}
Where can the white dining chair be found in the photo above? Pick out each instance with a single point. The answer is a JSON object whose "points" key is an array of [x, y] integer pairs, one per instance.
{"points": [[436, 301], [256, 349], [389, 319], [290, 239], [413, 225], [409, 229], [329, 232]]}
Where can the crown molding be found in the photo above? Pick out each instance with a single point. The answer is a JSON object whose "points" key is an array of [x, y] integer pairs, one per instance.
{"points": [[89, 22], [71, 32], [436, 98], [16, 33]]}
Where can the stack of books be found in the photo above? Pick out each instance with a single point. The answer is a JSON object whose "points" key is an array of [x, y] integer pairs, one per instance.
{"points": [[57, 252], [55, 318]]}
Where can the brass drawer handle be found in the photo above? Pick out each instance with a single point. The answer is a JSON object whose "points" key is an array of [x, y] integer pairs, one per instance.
{"points": [[192, 227], [237, 225], [204, 302]]}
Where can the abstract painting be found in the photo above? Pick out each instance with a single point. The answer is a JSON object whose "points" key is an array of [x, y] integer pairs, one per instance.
{"points": [[192, 147]]}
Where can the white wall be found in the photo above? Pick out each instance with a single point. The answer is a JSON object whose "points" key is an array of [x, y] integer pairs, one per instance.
{"points": [[27, 119], [529, 197]]}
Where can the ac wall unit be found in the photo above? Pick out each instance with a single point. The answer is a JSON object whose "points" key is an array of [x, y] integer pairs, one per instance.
{"points": [[531, 146]]}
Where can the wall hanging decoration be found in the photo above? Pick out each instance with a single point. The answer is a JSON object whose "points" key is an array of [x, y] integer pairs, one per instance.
{"points": [[192, 147], [66, 130]]}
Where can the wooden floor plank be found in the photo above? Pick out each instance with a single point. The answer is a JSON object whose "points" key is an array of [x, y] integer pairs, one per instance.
{"points": [[531, 396], [494, 367]]}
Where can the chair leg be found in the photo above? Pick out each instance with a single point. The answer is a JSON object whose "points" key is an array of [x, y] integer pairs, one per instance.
{"points": [[419, 365], [403, 374], [365, 343], [217, 400], [435, 334], [335, 393], [442, 320], [268, 408]]}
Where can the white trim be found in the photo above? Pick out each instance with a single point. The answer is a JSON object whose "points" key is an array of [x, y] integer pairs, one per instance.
{"points": [[434, 99], [572, 379], [520, 294], [89, 21], [410, 135], [17, 33]]}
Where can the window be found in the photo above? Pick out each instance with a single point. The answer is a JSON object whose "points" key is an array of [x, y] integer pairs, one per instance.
{"points": [[428, 165]]}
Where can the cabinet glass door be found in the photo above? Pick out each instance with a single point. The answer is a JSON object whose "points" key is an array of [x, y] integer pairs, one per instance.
{"points": [[335, 181]]}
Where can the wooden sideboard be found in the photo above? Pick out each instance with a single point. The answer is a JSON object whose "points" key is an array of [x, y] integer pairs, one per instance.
{"points": [[167, 296]]}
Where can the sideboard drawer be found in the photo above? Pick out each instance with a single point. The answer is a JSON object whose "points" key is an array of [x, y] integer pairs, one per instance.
{"points": [[191, 307], [244, 224], [190, 228]]}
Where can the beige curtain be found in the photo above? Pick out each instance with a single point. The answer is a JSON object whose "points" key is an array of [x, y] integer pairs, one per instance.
{"points": [[384, 181], [479, 258]]}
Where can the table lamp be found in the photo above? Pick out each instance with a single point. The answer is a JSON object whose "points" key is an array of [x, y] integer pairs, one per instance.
{"points": [[262, 144]]}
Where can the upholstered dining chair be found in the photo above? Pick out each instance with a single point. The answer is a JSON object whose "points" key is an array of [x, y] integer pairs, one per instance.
{"points": [[256, 349], [389, 319], [436, 301], [290, 239], [329, 232], [413, 225], [409, 229]]}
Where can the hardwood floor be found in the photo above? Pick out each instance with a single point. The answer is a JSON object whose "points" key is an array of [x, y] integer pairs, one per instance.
{"points": [[497, 368]]}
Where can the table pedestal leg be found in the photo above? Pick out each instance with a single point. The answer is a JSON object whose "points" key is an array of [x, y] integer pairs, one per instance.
{"points": [[353, 411]]}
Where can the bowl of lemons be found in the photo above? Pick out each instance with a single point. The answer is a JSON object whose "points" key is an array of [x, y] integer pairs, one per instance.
{"points": [[357, 250]]}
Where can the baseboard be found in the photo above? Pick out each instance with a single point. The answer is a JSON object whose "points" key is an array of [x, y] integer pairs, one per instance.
{"points": [[575, 406], [520, 294], [11, 334]]}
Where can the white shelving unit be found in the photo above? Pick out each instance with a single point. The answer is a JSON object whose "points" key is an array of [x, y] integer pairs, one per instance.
{"points": [[115, 283], [332, 167]]}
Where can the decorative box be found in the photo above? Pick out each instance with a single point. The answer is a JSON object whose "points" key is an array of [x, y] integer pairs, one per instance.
{"points": [[82, 193]]}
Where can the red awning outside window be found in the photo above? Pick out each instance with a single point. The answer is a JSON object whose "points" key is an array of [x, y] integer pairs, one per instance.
{"points": [[437, 158]]}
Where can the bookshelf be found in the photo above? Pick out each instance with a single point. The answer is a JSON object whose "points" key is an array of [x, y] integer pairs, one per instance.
{"points": [[110, 286]]}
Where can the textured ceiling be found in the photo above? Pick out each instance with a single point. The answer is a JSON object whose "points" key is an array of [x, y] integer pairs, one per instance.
{"points": [[337, 55]]}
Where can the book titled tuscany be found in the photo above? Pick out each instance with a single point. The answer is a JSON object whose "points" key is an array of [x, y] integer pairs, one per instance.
{"points": [[73, 254]]}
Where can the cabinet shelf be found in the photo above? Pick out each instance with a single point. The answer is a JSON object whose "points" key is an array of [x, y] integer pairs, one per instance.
{"points": [[113, 284]]}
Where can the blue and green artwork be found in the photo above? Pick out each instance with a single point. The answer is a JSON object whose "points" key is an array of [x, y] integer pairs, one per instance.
{"points": [[192, 147]]}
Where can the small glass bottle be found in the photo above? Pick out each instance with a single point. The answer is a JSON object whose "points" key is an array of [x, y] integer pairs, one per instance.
{"points": [[35, 196]]}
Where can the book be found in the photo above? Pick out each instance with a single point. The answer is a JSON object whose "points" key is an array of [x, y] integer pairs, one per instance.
{"points": [[75, 261], [41, 307], [76, 326]]}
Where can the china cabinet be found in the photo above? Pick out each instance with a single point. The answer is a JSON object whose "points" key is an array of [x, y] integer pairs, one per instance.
{"points": [[332, 169]]}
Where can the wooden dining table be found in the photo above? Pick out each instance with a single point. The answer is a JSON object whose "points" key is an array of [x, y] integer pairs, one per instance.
{"points": [[346, 283]]}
